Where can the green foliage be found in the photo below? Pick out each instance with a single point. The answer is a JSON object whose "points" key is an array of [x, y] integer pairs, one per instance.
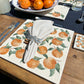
{"points": [[57, 67], [52, 71], [40, 67]]}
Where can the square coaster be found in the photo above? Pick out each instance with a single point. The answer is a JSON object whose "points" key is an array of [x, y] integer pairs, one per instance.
{"points": [[79, 42], [59, 12]]}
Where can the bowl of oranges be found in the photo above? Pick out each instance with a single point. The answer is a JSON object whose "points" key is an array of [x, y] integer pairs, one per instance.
{"points": [[34, 5]]}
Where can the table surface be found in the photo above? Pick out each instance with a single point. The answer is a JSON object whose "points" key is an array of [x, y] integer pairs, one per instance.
{"points": [[74, 68]]}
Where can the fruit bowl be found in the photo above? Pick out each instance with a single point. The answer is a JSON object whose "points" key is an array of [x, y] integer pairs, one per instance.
{"points": [[15, 4]]}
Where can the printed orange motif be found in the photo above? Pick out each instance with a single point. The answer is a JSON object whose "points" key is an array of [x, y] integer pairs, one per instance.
{"points": [[78, 45], [57, 53], [54, 32], [82, 41], [20, 31], [32, 63], [56, 14], [4, 50], [42, 50], [52, 47], [16, 42], [56, 42], [63, 34], [38, 4], [30, 24], [82, 46], [25, 4], [19, 53], [49, 63]]}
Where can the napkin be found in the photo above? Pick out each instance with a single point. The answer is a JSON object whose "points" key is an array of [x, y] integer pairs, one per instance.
{"points": [[41, 29]]}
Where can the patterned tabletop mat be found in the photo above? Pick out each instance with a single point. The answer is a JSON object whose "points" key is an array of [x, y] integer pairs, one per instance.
{"points": [[79, 42], [59, 12], [51, 54]]}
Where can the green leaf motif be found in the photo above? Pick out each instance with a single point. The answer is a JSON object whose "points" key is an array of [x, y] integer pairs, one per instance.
{"points": [[57, 12], [18, 37], [36, 58], [38, 49], [50, 49], [15, 34], [50, 43], [50, 37], [47, 40], [43, 42], [69, 38], [62, 30], [57, 67], [40, 67], [62, 15], [59, 49], [23, 37], [18, 48], [67, 32], [12, 38], [59, 39], [63, 45], [25, 27], [52, 71], [7, 46], [11, 52], [45, 56], [55, 29]]}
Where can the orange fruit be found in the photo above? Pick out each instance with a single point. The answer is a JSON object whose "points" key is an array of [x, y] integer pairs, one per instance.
{"points": [[56, 42], [20, 31], [49, 63], [38, 4], [42, 50], [19, 1], [19, 53], [63, 34], [30, 24], [32, 63], [57, 54], [25, 4], [4, 50], [56, 14], [48, 3], [16, 42], [54, 32]]}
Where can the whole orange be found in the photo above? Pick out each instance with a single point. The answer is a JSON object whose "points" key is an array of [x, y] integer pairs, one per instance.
{"points": [[38, 4], [19, 1], [48, 3], [25, 4]]}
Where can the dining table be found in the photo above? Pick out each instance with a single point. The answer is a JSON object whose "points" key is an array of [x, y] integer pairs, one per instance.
{"points": [[73, 72]]}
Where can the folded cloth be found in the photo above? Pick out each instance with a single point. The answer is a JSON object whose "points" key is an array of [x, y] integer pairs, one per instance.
{"points": [[41, 29]]}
